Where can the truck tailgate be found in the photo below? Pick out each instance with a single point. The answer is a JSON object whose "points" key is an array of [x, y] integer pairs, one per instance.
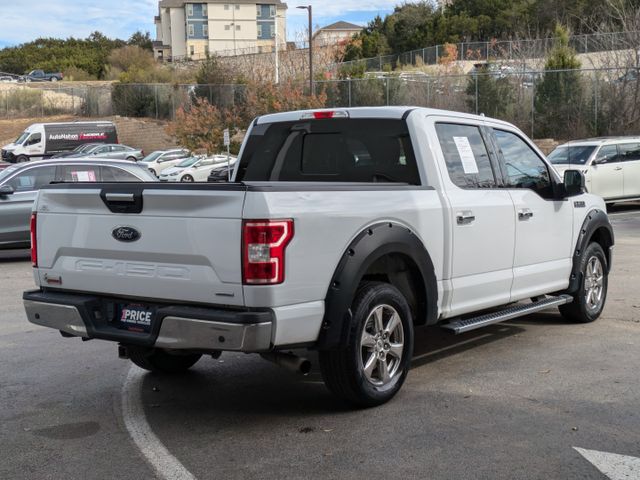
{"points": [[188, 250]]}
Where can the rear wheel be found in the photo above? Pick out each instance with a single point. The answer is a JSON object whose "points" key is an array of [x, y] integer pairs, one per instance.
{"points": [[158, 360], [371, 368], [54, 79], [132, 159], [588, 301]]}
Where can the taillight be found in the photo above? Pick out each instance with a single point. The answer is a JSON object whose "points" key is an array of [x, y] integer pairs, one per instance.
{"points": [[263, 247], [34, 245]]}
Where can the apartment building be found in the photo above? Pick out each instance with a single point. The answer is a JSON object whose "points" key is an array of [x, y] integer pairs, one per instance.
{"points": [[336, 33], [222, 27]]}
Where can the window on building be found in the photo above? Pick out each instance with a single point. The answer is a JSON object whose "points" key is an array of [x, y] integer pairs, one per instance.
{"points": [[226, 7], [227, 27], [272, 29], [205, 30], [238, 28], [206, 50], [272, 10], [189, 10], [259, 31], [237, 7], [192, 50], [204, 10], [258, 11], [191, 30]]}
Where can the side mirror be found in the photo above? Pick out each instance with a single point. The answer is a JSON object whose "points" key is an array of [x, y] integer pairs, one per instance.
{"points": [[600, 161], [573, 183], [6, 190]]}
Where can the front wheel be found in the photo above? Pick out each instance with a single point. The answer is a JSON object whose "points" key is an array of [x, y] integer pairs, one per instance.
{"points": [[22, 159], [54, 79], [187, 178], [158, 360], [153, 172], [588, 301], [132, 159], [371, 368]]}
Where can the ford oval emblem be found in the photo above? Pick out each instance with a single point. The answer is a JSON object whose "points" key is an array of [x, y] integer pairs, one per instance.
{"points": [[126, 234]]}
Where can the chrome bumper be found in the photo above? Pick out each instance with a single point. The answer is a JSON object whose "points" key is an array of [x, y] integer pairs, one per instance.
{"points": [[176, 332]]}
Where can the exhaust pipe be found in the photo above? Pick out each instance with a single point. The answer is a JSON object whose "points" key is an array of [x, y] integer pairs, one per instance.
{"points": [[289, 362]]}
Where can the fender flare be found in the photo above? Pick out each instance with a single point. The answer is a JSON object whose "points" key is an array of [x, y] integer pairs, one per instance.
{"points": [[370, 245], [595, 220]]}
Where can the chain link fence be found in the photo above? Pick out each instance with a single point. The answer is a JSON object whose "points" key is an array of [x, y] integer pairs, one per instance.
{"points": [[558, 104], [494, 51]]}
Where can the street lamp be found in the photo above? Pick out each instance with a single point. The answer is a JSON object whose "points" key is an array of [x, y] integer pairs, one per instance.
{"points": [[276, 49], [308, 7]]}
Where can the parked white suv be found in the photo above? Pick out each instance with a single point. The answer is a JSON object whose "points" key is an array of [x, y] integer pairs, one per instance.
{"points": [[611, 165], [342, 232]]}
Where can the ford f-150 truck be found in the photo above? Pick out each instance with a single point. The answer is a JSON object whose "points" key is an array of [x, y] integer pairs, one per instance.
{"points": [[341, 232]]}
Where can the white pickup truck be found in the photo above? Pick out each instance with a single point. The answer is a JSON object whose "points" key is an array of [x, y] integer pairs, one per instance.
{"points": [[342, 231]]}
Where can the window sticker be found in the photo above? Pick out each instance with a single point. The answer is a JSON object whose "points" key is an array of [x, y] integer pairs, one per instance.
{"points": [[466, 155], [86, 176]]}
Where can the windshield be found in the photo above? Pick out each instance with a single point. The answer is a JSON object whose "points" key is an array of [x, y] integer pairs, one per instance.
{"points": [[189, 162], [84, 148], [22, 137], [151, 157], [578, 155]]}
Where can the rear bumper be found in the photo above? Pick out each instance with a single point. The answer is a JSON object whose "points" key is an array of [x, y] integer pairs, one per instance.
{"points": [[175, 327]]}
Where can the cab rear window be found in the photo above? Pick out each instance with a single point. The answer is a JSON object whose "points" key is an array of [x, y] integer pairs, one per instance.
{"points": [[335, 150]]}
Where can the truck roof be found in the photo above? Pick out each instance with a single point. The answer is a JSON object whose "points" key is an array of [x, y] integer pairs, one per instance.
{"points": [[371, 112]]}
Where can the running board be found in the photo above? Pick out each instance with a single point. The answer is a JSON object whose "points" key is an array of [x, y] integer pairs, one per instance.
{"points": [[466, 325]]}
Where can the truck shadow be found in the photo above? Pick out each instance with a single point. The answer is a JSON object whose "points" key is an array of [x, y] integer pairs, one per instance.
{"points": [[246, 385]]}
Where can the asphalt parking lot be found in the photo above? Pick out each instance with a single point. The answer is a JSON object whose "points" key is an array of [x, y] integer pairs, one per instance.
{"points": [[511, 401]]}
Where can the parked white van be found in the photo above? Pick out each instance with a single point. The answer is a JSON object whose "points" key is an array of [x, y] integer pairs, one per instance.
{"points": [[44, 140], [611, 165]]}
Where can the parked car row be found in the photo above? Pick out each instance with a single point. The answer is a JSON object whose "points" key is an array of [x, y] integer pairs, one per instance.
{"points": [[19, 186], [196, 169], [611, 165]]}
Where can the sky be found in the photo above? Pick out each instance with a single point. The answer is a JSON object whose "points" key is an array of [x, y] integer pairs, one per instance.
{"points": [[120, 18]]}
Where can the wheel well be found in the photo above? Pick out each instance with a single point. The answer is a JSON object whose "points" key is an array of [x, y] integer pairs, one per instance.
{"points": [[603, 237], [402, 272]]}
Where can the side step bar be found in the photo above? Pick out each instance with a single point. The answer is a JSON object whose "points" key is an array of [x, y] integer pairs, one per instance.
{"points": [[466, 325]]}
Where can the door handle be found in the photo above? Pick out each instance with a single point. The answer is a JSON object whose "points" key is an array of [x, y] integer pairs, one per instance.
{"points": [[617, 168], [525, 214], [465, 218]]}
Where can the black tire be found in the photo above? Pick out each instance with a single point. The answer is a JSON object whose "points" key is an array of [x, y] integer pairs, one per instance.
{"points": [[343, 369], [22, 159], [157, 360], [584, 309], [153, 172], [187, 178], [132, 159]]}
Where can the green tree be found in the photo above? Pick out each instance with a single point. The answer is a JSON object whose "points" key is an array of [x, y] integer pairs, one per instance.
{"points": [[142, 40], [559, 96], [494, 95]]}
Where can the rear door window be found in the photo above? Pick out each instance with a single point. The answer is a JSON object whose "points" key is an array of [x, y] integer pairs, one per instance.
{"points": [[629, 151], [78, 173], [335, 150], [466, 155]]}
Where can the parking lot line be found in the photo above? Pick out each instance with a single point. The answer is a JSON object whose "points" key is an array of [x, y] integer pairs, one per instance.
{"points": [[614, 466], [165, 465]]}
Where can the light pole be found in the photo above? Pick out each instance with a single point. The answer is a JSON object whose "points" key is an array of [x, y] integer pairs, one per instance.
{"points": [[276, 43], [309, 8]]}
